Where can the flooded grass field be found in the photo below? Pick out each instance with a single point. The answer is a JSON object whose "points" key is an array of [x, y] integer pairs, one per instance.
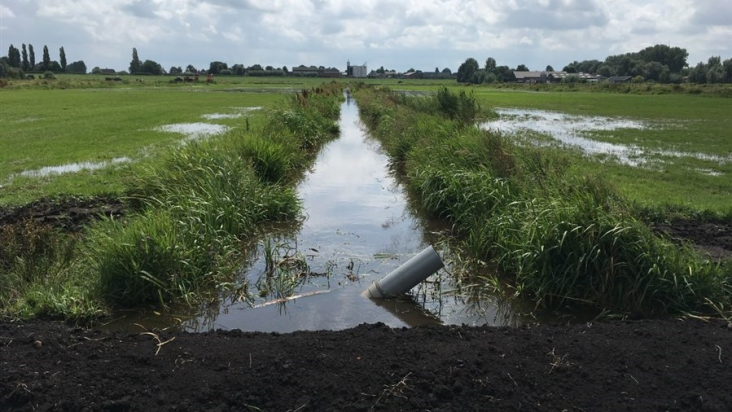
{"points": [[358, 223], [85, 130]]}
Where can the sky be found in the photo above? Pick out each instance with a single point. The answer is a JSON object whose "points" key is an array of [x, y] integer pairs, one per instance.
{"points": [[396, 34]]}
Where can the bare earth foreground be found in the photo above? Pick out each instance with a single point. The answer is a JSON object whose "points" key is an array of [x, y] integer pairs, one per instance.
{"points": [[658, 365], [646, 365]]}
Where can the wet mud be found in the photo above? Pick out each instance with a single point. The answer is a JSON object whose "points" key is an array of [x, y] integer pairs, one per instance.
{"points": [[648, 365], [69, 214], [708, 238]]}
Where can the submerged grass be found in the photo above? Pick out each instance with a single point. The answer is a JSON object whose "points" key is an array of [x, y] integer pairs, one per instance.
{"points": [[194, 210], [562, 237]]}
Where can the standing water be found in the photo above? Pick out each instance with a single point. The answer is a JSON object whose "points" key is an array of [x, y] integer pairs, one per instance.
{"points": [[358, 228]]}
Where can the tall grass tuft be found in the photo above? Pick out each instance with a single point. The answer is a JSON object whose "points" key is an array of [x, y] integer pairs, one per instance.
{"points": [[559, 238]]}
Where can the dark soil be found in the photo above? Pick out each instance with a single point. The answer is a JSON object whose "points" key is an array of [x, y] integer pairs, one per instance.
{"points": [[69, 214], [713, 238], [649, 365]]}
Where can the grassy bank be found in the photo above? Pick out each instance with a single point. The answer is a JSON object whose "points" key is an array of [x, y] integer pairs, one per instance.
{"points": [[561, 235], [196, 206]]}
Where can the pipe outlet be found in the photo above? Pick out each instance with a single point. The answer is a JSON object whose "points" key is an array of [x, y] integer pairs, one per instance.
{"points": [[406, 276]]}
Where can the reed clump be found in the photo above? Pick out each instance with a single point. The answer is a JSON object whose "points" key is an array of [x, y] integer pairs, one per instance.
{"points": [[559, 238]]}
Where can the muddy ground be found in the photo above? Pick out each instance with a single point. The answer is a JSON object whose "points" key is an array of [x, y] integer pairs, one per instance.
{"points": [[646, 365], [69, 214], [659, 365]]}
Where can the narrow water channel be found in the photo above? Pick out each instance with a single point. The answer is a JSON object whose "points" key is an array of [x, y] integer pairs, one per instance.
{"points": [[358, 228]]}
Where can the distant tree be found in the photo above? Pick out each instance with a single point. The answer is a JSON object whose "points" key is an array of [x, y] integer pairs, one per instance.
{"points": [[446, 70], [151, 67], [255, 67], [549, 68], [46, 59], [25, 64], [478, 77], [657, 72], [238, 69], [272, 68], [411, 70], [54, 67], [715, 73], [175, 70], [437, 70], [522, 68], [135, 64], [216, 67], [490, 65], [96, 70], [32, 56], [466, 70], [62, 58], [381, 70], [672, 57], [76, 67], [284, 70], [606, 70], [504, 74], [727, 70], [570, 68], [191, 69], [14, 59]]}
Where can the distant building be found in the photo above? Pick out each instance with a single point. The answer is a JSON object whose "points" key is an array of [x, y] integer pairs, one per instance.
{"points": [[552, 77], [356, 71], [108, 71]]}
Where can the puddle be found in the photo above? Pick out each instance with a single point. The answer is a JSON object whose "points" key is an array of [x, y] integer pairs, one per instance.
{"points": [[194, 131], [73, 167], [573, 131], [242, 111]]}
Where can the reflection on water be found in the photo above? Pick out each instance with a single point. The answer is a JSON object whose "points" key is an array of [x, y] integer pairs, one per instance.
{"points": [[572, 130], [358, 229], [73, 167]]}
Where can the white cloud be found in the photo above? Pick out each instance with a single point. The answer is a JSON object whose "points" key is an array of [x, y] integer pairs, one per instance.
{"points": [[6, 13], [394, 33]]}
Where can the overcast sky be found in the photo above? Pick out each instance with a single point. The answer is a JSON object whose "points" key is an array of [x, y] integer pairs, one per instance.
{"points": [[398, 34]]}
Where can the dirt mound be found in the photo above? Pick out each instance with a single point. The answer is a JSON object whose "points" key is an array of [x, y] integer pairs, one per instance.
{"points": [[68, 213], [714, 238], [660, 365]]}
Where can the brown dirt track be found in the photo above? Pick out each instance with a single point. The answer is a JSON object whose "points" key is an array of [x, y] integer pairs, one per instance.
{"points": [[658, 365]]}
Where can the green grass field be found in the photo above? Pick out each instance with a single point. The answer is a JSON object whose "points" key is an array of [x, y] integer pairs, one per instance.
{"points": [[87, 119], [41, 128]]}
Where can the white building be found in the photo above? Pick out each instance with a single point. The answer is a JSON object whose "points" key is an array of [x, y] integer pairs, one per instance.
{"points": [[356, 71]]}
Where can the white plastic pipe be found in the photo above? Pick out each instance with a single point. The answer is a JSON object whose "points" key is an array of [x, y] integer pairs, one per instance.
{"points": [[406, 276]]}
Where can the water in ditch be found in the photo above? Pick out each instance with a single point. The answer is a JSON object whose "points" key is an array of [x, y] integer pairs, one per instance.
{"points": [[359, 226]]}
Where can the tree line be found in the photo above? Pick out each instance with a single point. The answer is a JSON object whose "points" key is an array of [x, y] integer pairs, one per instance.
{"points": [[659, 63], [18, 62], [215, 67]]}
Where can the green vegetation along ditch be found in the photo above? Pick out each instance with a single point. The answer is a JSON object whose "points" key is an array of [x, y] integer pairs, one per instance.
{"points": [[194, 210], [561, 238]]}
